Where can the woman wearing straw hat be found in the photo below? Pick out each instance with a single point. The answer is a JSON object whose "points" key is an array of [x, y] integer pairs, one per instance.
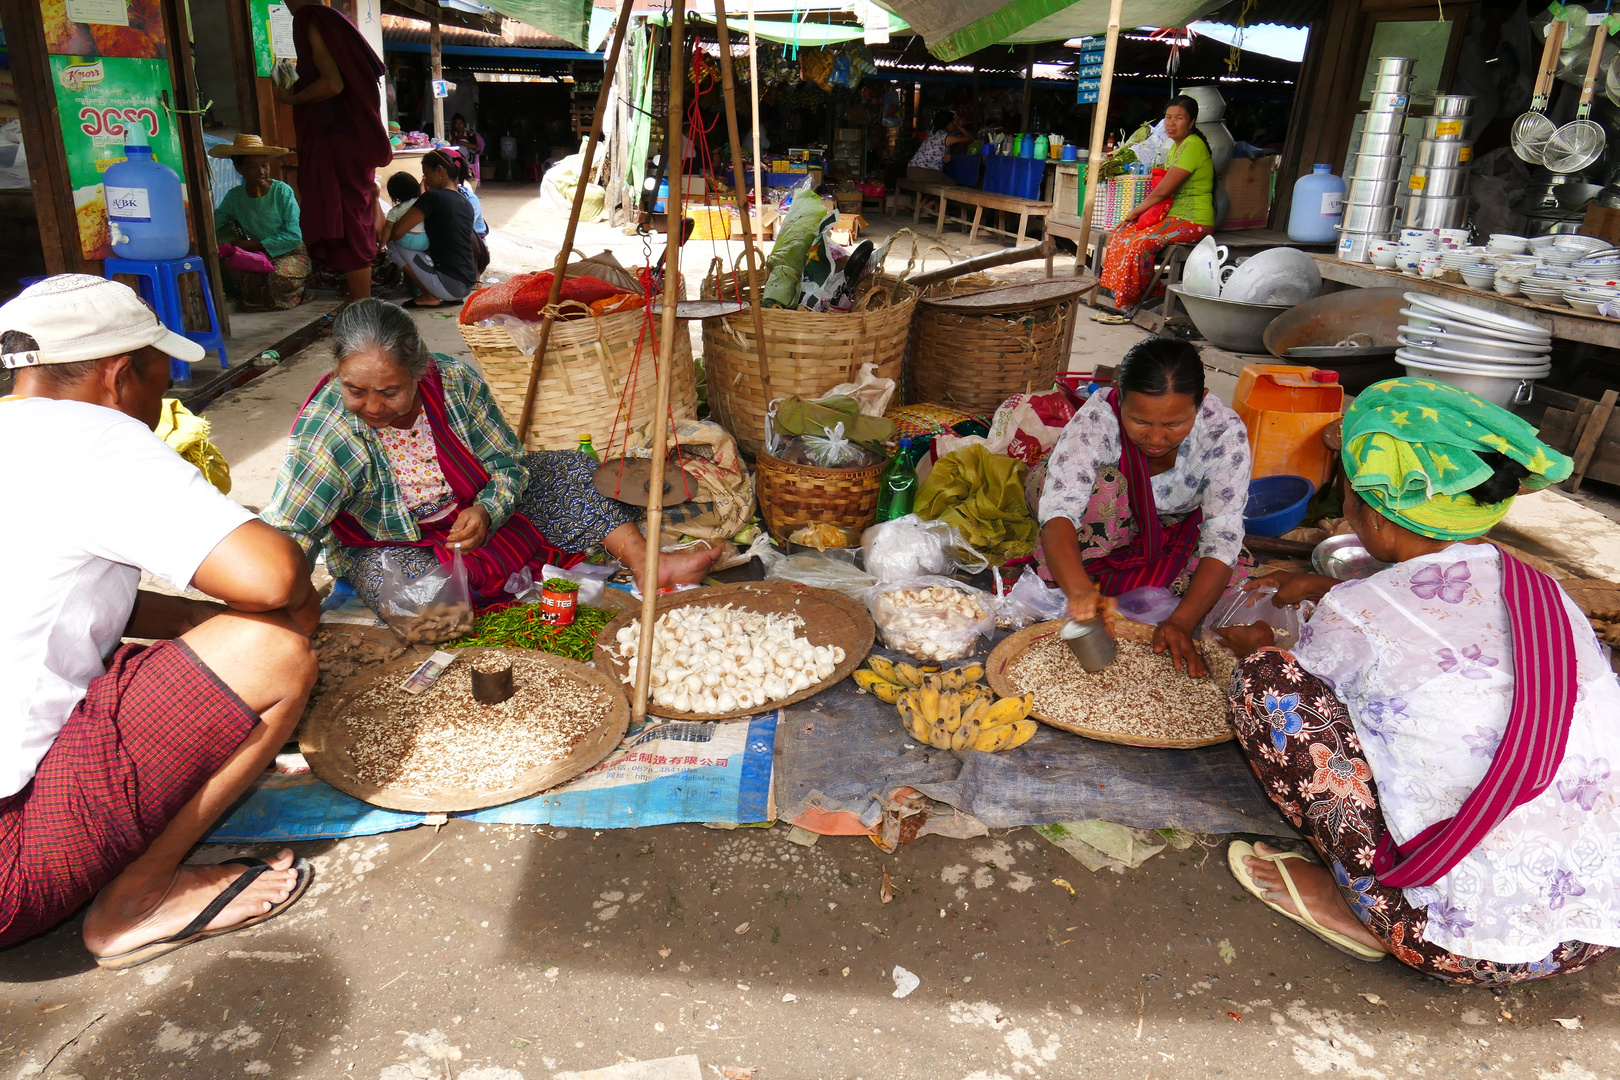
{"points": [[261, 247]]}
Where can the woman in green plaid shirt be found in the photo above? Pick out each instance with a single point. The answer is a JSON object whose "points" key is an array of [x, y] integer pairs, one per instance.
{"points": [[404, 453]]}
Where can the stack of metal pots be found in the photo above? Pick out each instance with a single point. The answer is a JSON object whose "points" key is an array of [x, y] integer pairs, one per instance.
{"points": [[1437, 190], [1373, 176]]}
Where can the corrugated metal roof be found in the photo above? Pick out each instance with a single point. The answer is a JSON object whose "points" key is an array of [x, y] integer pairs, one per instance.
{"points": [[1277, 12], [513, 35]]}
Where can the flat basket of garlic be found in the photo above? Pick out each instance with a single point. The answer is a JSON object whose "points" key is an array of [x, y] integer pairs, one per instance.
{"points": [[932, 618], [729, 651]]}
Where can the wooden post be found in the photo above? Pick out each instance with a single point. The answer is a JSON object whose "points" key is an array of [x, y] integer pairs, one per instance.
{"points": [[187, 120], [728, 89], [753, 101], [666, 354], [557, 269], [436, 70], [1029, 87], [1099, 129], [42, 139]]}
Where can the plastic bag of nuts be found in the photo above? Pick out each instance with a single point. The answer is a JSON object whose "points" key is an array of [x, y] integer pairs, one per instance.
{"points": [[932, 618], [429, 609]]}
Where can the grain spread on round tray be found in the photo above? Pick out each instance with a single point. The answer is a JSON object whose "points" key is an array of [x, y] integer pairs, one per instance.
{"points": [[445, 739], [1139, 696]]}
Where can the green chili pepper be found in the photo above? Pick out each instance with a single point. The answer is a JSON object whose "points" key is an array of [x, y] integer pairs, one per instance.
{"points": [[521, 626]]}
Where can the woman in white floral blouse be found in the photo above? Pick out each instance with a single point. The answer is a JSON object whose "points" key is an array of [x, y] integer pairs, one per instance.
{"points": [[1146, 486], [1446, 731]]}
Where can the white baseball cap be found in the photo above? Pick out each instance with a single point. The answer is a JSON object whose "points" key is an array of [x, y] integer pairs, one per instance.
{"points": [[78, 317]]}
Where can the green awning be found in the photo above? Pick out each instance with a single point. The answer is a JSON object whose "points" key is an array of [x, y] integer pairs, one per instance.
{"points": [[808, 34], [955, 28], [567, 19]]}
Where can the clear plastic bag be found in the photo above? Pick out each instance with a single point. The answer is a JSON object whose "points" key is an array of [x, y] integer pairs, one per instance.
{"points": [[1030, 600], [1239, 608], [909, 547], [427, 610], [932, 618], [1150, 604], [833, 450], [834, 570]]}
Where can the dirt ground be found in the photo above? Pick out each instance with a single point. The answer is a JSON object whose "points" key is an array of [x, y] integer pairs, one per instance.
{"points": [[509, 953]]}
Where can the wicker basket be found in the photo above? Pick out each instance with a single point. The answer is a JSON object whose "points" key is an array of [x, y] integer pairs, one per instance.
{"points": [[792, 495], [973, 351], [810, 352], [586, 379]]}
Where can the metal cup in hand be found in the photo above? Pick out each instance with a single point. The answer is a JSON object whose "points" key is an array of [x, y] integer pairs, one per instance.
{"points": [[1090, 643]]}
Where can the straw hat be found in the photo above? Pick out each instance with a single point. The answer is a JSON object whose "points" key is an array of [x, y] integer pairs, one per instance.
{"points": [[247, 146]]}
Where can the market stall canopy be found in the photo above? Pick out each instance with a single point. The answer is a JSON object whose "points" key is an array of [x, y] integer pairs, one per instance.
{"points": [[811, 32], [567, 19], [955, 28]]}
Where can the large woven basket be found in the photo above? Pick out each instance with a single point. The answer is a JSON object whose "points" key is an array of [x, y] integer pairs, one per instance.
{"points": [[809, 352], [589, 378], [791, 495], [973, 351]]}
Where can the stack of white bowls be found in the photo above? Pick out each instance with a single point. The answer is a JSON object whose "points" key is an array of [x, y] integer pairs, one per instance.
{"points": [[1437, 189], [1490, 355], [1373, 174]]}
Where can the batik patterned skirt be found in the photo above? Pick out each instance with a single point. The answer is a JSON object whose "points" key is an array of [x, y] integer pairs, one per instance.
{"points": [[1128, 262], [559, 500], [1301, 743]]}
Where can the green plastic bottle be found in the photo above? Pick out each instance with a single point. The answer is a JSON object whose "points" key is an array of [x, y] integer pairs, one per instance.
{"points": [[587, 449], [897, 487]]}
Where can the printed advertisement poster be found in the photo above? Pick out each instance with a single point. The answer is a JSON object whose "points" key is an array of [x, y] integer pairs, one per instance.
{"points": [[97, 98], [126, 28]]}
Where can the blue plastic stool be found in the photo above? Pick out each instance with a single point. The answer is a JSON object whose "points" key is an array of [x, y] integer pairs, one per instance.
{"points": [[159, 285]]}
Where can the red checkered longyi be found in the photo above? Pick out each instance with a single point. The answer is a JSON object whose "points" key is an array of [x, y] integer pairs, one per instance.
{"points": [[147, 736]]}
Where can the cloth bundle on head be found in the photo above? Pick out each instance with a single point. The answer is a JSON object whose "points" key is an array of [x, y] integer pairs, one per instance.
{"points": [[1412, 451]]}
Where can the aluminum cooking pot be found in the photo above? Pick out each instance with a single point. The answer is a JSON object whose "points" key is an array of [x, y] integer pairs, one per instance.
{"points": [[1431, 182], [1444, 155]]}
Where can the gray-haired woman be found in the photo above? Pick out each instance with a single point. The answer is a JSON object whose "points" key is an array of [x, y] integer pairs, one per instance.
{"points": [[404, 452]]}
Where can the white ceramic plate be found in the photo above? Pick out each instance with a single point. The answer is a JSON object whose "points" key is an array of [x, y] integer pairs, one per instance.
{"points": [[1456, 326], [1468, 313]]}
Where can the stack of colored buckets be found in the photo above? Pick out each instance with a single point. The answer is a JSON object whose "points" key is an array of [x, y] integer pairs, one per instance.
{"points": [[1373, 176]]}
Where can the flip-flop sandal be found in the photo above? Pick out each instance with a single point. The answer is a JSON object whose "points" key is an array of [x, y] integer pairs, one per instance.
{"points": [[1239, 850], [1110, 318], [423, 307], [194, 932]]}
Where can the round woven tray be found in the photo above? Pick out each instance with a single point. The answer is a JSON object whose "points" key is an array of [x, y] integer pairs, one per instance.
{"points": [[325, 741], [1013, 646], [830, 618]]}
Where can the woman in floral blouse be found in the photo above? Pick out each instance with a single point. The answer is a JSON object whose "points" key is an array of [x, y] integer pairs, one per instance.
{"points": [[1446, 731], [1146, 486], [403, 453]]}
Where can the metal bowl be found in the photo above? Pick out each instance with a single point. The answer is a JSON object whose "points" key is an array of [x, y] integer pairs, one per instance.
{"points": [[1443, 155], [1453, 104], [1344, 558], [1227, 324], [1376, 143]]}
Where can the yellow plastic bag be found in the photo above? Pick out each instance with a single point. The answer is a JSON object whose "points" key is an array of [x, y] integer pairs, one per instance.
{"points": [[188, 434]]}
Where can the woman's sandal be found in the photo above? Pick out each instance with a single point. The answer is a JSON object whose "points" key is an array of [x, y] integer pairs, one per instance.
{"points": [[1239, 850], [1110, 318], [194, 932]]}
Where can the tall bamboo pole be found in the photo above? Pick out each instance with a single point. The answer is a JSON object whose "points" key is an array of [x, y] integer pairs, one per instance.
{"points": [[1099, 128], [549, 315], [436, 72], [728, 88], [675, 220], [753, 99]]}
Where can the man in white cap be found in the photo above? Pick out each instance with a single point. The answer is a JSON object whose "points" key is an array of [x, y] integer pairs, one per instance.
{"points": [[116, 759]]}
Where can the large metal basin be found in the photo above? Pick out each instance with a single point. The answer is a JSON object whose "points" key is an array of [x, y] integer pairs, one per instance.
{"points": [[1227, 324], [1330, 319]]}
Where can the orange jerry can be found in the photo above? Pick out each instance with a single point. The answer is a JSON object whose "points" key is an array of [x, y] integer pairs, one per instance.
{"points": [[1285, 409]]}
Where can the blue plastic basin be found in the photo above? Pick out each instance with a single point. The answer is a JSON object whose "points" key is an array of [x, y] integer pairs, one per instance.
{"points": [[1277, 504]]}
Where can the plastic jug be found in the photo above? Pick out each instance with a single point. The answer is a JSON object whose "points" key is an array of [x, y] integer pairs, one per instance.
{"points": [[1286, 409], [1318, 207], [1042, 148], [1026, 146], [146, 210]]}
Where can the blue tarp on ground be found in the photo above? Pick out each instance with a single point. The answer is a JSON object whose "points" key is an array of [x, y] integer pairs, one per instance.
{"points": [[665, 773]]}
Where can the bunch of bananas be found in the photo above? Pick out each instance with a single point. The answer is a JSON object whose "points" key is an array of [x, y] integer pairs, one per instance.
{"points": [[950, 710]]}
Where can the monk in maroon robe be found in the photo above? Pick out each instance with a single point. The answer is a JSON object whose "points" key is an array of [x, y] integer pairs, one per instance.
{"points": [[337, 116]]}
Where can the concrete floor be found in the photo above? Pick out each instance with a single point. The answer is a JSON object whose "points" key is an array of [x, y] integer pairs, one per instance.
{"points": [[509, 953]]}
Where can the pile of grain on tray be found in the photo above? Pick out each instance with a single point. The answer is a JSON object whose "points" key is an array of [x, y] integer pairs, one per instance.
{"points": [[444, 739], [1141, 695]]}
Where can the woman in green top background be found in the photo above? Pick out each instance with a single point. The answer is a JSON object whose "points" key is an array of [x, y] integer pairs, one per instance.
{"points": [[1189, 185], [261, 217]]}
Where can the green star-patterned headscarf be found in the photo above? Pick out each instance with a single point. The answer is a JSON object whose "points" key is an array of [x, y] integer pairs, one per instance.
{"points": [[1412, 450]]}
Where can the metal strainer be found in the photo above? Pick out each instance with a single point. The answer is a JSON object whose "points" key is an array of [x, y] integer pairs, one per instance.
{"points": [[1580, 142], [1532, 129]]}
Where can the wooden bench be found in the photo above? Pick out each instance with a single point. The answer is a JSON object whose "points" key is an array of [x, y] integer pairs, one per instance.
{"points": [[980, 201]]}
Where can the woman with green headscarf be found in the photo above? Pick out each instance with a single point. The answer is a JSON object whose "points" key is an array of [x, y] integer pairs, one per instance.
{"points": [[1446, 733]]}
